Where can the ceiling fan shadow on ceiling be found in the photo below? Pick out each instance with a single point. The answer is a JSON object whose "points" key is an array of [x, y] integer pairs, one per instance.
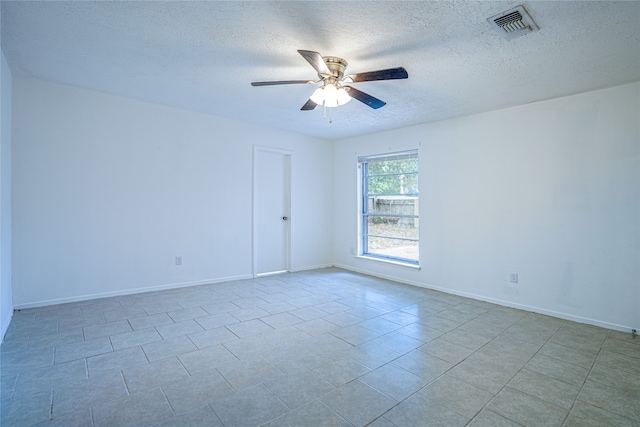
{"points": [[335, 89]]}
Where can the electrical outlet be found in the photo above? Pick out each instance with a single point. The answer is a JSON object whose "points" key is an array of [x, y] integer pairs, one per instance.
{"points": [[178, 260], [513, 277]]}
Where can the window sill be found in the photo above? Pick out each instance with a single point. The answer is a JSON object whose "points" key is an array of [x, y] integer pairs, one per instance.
{"points": [[389, 261]]}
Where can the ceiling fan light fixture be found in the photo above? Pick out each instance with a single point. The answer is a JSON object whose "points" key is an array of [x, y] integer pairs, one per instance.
{"points": [[318, 96], [342, 96], [330, 95]]}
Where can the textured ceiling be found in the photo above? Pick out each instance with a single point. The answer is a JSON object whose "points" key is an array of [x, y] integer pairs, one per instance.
{"points": [[202, 56]]}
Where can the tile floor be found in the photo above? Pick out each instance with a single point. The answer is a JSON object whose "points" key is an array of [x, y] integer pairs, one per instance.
{"points": [[320, 348]]}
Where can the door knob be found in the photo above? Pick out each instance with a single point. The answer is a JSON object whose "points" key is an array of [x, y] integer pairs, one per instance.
{"points": [[284, 218]]}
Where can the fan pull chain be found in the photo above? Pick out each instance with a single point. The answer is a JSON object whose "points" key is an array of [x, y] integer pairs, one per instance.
{"points": [[325, 113]]}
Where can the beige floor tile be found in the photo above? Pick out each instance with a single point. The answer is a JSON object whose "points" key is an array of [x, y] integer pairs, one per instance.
{"points": [[558, 369], [144, 377], [526, 409], [324, 347], [338, 370], [315, 414], [149, 405], [569, 354], [249, 407], [617, 400], [248, 372], [585, 415], [422, 364], [621, 361], [358, 403], [445, 350], [191, 392], [300, 388], [372, 355], [546, 388], [168, 348], [484, 373], [394, 382], [419, 411], [491, 419], [457, 395]]}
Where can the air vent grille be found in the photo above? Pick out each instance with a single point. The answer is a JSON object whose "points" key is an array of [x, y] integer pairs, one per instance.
{"points": [[513, 23], [512, 20]]}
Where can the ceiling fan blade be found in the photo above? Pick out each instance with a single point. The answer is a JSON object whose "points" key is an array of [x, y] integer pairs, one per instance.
{"points": [[365, 98], [388, 74], [282, 82], [316, 61], [309, 105]]}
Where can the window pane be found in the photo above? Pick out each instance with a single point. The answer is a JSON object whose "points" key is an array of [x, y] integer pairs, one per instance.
{"points": [[390, 211], [403, 228], [393, 166], [393, 184], [393, 248], [392, 205]]}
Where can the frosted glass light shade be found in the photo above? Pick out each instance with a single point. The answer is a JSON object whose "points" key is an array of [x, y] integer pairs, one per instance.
{"points": [[330, 96], [318, 96], [342, 96]]}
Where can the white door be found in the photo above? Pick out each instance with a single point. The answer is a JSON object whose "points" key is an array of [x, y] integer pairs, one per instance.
{"points": [[271, 206]]}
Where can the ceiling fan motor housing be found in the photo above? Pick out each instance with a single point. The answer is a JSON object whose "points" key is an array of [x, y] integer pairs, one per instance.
{"points": [[336, 65]]}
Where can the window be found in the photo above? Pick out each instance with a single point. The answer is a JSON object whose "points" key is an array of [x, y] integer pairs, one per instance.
{"points": [[389, 220]]}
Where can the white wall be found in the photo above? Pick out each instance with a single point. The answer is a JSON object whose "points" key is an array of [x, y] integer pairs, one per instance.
{"points": [[549, 190], [6, 299], [107, 191]]}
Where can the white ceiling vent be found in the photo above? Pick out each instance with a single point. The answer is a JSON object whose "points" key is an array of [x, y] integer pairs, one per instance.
{"points": [[513, 23]]}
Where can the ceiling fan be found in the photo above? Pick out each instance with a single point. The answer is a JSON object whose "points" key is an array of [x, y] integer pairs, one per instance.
{"points": [[335, 89]]}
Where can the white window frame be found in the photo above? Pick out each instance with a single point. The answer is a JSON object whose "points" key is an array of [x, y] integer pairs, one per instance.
{"points": [[363, 224]]}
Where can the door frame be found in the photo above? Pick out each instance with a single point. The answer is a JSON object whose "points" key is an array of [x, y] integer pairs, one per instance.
{"points": [[288, 155]]}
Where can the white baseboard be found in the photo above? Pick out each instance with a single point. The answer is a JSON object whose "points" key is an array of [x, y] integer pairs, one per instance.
{"points": [[533, 309], [5, 324], [123, 292], [560, 315], [384, 276], [44, 303], [311, 267]]}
